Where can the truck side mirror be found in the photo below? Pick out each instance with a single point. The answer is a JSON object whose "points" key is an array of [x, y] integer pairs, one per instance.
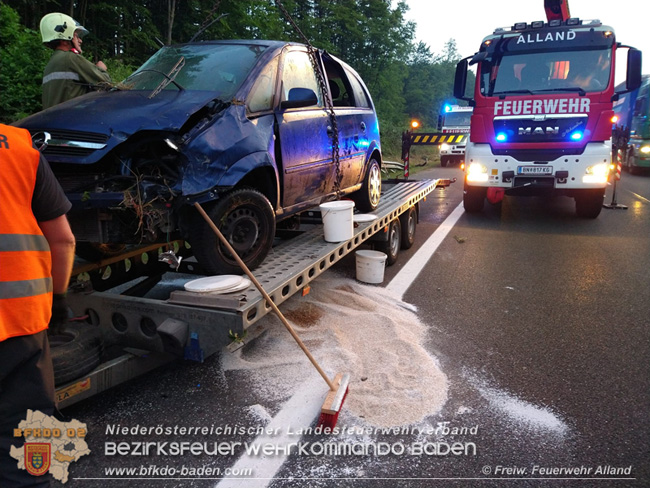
{"points": [[633, 77], [460, 80]]}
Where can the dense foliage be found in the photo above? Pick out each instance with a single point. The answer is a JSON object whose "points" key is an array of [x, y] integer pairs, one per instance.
{"points": [[405, 79]]}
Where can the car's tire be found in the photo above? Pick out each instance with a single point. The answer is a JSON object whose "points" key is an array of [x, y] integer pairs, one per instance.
{"points": [[367, 198], [589, 203], [408, 221], [392, 246], [473, 199], [75, 351], [246, 219]]}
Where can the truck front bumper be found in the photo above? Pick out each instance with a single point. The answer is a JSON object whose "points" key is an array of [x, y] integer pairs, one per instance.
{"points": [[588, 170]]}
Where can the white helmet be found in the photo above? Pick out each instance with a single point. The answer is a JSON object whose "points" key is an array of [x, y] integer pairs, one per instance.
{"points": [[57, 26]]}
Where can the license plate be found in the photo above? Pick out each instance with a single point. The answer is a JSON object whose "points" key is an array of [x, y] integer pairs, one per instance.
{"points": [[535, 170]]}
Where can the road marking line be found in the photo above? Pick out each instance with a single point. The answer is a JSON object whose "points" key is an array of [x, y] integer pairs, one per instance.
{"points": [[299, 412], [407, 275], [639, 196]]}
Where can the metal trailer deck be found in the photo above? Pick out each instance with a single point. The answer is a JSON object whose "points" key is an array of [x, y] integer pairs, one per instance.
{"points": [[150, 332]]}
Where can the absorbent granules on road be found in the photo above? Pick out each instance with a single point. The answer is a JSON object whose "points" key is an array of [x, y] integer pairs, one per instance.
{"points": [[353, 328]]}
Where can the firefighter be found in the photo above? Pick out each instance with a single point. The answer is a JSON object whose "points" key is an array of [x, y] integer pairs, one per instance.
{"points": [[67, 75], [36, 256]]}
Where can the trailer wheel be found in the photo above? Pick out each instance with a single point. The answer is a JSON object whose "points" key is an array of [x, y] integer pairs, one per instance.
{"points": [[245, 217], [392, 246], [473, 199], [408, 221], [75, 351], [589, 203], [367, 198]]}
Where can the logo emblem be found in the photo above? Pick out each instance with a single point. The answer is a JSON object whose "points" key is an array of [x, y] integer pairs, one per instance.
{"points": [[37, 458], [41, 140], [538, 131]]}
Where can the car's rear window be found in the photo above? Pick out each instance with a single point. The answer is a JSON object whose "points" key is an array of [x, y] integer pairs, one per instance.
{"points": [[221, 68]]}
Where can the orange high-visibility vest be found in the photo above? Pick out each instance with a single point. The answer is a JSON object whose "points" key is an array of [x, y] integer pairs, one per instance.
{"points": [[25, 260]]}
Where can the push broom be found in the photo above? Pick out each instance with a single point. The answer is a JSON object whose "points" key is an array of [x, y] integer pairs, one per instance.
{"points": [[339, 387]]}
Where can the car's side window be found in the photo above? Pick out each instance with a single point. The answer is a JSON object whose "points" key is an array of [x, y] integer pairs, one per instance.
{"points": [[338, 83], [298, 72], [360, 98], [261, 95]]}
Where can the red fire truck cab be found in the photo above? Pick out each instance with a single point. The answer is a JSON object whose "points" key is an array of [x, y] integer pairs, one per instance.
{"points": [[542, 112]]}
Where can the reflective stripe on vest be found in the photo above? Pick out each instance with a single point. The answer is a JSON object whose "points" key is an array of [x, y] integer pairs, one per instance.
{"points": [[17, 242], [61, 75], [26, 288], [25, 260]]}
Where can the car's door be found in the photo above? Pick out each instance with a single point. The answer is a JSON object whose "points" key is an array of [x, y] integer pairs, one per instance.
{"points": [[306, 153], [353, 115]]}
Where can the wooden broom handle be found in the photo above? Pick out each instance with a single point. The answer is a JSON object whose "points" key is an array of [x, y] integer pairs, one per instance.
{"points": [[259, 286]]}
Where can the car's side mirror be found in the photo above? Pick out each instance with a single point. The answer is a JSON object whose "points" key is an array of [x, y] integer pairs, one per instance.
{"points": [[300, 97]]}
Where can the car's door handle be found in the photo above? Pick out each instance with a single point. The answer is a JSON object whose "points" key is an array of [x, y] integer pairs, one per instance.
{"points": [[363, 126], [330, 131]]}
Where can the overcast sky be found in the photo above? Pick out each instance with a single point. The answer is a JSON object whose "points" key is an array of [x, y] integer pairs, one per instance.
{"points": [[468, 21]]}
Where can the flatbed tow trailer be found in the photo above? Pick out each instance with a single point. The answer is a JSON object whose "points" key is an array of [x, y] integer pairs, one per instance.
{"points": [[142, 333]]}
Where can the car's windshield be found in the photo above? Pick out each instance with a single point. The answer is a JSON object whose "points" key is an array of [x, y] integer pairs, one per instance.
{"points": [[457, 119], [221, 68], [546, 72]]}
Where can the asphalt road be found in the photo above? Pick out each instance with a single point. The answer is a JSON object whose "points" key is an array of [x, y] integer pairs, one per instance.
{"points": [[539, 321]]}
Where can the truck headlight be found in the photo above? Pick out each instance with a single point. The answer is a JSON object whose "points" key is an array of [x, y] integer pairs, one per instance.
{"points": [[645, 149], [597, 173], [477, 172], [444, 147]]}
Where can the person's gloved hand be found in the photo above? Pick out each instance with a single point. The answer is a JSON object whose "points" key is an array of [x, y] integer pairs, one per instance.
{"points": [[59, 314]]}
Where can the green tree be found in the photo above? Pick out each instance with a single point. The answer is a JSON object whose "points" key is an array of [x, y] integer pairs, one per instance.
{"points": [[22, 59]]}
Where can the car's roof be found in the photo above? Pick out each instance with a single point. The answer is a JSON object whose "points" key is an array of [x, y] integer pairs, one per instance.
{"points": [[254, 42]]}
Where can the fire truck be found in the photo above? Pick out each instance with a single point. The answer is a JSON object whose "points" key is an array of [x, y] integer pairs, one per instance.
{"points": [[542, 117], [454, 119]]}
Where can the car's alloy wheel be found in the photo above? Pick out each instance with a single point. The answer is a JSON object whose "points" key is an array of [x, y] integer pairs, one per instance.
{"points": [[367, 199]]}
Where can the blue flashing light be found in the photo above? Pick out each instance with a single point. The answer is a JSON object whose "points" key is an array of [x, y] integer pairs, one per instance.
{"points": [[447, 108], [502, 137], [576, 136]]}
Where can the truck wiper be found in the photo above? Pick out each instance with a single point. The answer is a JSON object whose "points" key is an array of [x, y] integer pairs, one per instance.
{"points": [[578, 89], [503, 94]]}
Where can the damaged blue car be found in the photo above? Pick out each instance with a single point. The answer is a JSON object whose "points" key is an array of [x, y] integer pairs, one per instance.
{"points": [[255, 131]]}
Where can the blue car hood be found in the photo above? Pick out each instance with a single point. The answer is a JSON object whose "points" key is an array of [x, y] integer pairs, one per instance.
{"points": [[117, 115]]}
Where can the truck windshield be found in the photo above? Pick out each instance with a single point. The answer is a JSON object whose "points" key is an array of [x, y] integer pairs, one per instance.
{"points": [[457, 119], [539, 72], [221, 68]]}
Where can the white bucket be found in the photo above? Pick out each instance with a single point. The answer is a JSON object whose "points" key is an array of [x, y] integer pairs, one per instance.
{"points": [[370, 266], [337, 220]]}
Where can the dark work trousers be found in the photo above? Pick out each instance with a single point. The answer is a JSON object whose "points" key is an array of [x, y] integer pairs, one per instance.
{"points": [[26, 382]]}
